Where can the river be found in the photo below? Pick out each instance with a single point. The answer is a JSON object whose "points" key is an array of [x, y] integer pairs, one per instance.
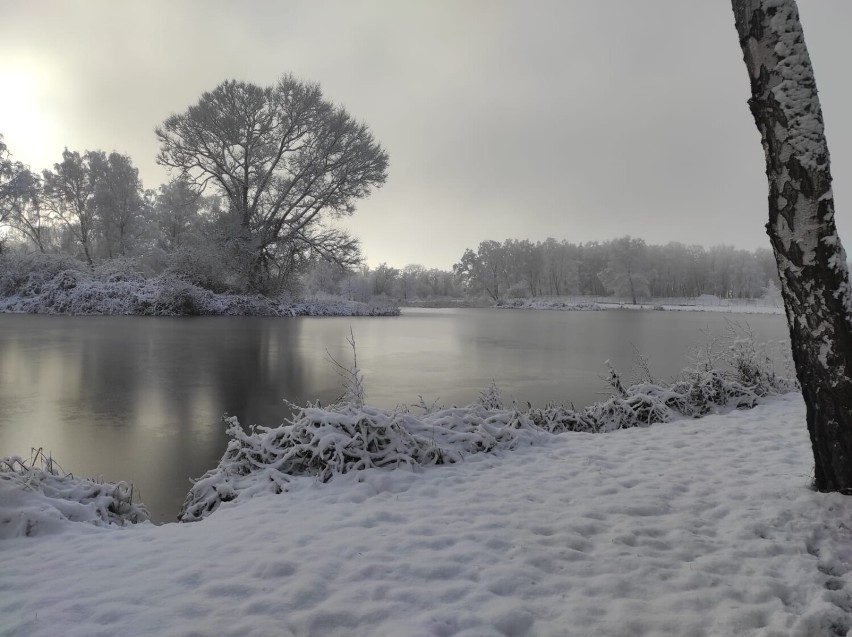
{"points": [[141, 399]]}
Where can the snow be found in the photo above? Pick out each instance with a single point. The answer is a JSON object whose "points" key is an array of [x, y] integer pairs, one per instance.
{"points": [[79, 293], [326, 442], [549, 304], [37, 497], [794, 92], [706, 303], [696, 527]]}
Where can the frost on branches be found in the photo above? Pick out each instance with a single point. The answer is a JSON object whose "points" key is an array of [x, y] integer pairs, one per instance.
{"points": [[51, 284]]}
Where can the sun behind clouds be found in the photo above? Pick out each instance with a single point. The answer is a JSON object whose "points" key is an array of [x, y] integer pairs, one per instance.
{"points": [[28, 115]]}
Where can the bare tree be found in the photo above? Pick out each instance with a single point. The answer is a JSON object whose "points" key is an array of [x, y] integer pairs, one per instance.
{"points": [[811, 261], [25, 212], [12, 180], [119, 201], [70, 193], [285, 160], [20, 200], [627, 271], [484, 270]]}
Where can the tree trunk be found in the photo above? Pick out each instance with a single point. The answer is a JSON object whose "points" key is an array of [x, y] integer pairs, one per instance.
{"points": [[811, 261]]}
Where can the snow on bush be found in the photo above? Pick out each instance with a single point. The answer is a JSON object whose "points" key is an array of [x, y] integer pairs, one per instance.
{"points": [[46, 284], [36, 498], [346, 436], [329, 441], [548, 304]]}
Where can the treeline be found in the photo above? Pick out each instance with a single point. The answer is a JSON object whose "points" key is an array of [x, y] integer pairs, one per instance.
{"points": [[626, 268], [93, 206], [411, 283], [260, 174]]}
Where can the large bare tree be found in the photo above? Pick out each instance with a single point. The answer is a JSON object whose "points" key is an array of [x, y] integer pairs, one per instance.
{"points": [[69, 192], [285, 160], [811, 261]]}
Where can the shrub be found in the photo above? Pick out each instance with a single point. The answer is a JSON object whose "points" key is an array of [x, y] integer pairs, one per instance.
{"points": [[350, 436], [54, 496], [201, 267], [119, 270], [27, 274]]}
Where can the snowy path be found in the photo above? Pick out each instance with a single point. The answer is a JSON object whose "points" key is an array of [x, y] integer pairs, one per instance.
{"points": [[694, 528]]}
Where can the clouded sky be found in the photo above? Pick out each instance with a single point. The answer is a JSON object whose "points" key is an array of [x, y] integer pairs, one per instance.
{"points": [[580, 120]]}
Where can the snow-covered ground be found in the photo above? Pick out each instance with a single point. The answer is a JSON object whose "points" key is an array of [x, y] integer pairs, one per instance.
{"points": [[696, 527], [686, 306], [78, 293], [705, 303]]}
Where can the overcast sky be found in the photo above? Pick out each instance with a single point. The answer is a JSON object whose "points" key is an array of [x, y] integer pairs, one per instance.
{"points": [[580, 120]]}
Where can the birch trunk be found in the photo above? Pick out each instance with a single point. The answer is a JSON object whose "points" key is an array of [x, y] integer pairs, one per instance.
{"points": [[811, 261]]}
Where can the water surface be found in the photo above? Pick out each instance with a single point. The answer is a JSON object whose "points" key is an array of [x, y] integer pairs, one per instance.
{"points": [[141, 398]]}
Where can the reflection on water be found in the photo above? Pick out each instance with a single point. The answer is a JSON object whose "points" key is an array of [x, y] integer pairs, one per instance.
{"points": [[141, 399]]}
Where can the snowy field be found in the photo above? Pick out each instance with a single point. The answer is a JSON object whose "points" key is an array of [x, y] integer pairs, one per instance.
{"points": [[697, 527], [701, 304]]}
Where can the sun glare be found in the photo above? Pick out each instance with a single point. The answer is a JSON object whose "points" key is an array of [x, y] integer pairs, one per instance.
{"points": [[26, 119]]}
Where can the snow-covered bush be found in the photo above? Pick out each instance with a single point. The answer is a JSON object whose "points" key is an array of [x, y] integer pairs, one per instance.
{"points": [[118, 270], [204, 268], [337, 308], [329, 441], [37, 497], [539, 303], [123, 290], [26, 274], [348, 436], [178, 298], [753, 363]]}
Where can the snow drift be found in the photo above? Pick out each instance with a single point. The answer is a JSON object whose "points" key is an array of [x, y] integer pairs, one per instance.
{"points": [[37, 497]]}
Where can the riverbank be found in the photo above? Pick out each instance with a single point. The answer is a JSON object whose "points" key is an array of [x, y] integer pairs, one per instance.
{"points": [[78, 293], [671, 530], [701, 304]]}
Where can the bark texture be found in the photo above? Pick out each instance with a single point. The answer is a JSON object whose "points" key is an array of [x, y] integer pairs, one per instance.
{"points": [[810, 257]]}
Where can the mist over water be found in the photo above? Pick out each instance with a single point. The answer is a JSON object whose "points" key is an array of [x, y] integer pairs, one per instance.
{"points": [[141, 399]]}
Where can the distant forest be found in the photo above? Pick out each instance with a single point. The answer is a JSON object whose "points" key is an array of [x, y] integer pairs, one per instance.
{"points": [[93, 207], [626, 267]]}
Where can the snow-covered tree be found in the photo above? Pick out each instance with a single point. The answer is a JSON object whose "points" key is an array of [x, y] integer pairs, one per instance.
{"points": [[811, 260], [627, 272], [120, 206], [176, 213], [69, 191], [486, 270], [285, 160], [20, 201], [26, 213]]}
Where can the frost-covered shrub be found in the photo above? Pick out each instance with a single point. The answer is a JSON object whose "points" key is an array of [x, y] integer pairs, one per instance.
{"points": [[177, 298], [316, 307], [492, 397], [538, 303], [557, 419], [37, 497], [329, 441], [349, 436], [27, 274], [752, 363], [119, 270], [204, 268]]}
